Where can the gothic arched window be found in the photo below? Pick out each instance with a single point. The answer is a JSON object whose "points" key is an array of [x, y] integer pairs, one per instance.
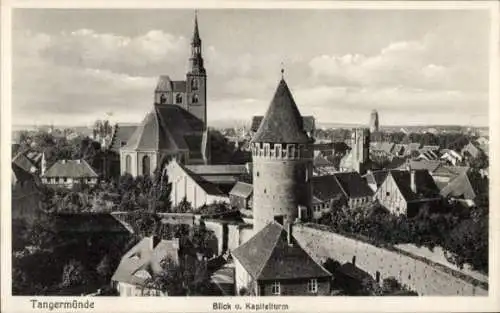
{"points": [[128, 164], [178, 98], [146, 165], [195, 98]]}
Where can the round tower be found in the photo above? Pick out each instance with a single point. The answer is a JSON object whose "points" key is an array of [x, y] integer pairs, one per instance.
{"points": [[282, 163]]}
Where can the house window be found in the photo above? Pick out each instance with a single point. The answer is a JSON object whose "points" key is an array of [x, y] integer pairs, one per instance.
{"points": [[387, 193], [275, 288], [195, 99], [178, 98], [312, 286]]}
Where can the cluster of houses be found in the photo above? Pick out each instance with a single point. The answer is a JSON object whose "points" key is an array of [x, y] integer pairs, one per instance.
{"points": [[289, 179]]}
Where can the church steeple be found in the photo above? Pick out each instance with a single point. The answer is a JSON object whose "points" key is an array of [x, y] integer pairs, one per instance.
{"points": [[196, 60]]}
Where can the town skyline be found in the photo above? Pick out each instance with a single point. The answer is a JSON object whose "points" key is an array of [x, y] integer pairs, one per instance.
{"points": [[402, 72]]}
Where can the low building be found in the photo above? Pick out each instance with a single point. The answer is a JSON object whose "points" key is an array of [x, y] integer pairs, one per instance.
{"points": [[405, 192], [272, 263], [464, 187], [322, 166], [339, 189], [451, 156], [471, 150], [67, 173], [143, 262], [241, 196], [192, 186]]}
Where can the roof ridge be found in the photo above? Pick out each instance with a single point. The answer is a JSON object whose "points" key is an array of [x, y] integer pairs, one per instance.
{"points": [[272, 250], [340, 185]]}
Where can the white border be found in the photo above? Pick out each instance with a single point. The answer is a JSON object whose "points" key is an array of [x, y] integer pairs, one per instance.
{"points": [[297, 304]]}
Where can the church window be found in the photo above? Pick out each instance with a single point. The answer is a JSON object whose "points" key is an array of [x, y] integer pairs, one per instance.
{"points": [[128, 164], [163, 99], [195, 98], [146, 165], [178, 98], [194, 84]]}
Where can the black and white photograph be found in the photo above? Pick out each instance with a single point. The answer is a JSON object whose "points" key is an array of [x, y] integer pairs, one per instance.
{"points": [[247, 152]]}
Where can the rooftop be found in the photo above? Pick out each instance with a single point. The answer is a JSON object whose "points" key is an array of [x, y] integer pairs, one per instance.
{"points": [[71, 168], [267, 255], [282, 122]]}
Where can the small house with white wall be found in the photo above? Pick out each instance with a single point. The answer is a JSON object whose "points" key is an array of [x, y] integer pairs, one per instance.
{"points": [[404, 192], [193, 187], [67, 173], [141, 263]]}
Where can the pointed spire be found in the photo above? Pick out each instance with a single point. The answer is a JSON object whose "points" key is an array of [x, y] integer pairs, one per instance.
{"points": [[282, 70], [196, 33], [283, 122]]}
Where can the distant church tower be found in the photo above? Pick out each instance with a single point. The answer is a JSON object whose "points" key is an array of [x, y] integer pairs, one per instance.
{"points": [[282, 163], [360, 149], [196, 78], [374, 121]]}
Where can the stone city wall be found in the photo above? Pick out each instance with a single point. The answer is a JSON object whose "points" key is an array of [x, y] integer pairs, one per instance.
{"points": [[419, 274]]}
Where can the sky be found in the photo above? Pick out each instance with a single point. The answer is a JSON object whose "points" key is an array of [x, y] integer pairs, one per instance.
{"points": [[71, 67]]}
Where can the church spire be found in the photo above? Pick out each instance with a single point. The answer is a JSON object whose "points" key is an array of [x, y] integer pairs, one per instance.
{"points": [[196, 60], [196, 32]]}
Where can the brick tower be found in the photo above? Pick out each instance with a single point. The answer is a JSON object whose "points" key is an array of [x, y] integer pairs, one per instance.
{"points": [[282, 163]]}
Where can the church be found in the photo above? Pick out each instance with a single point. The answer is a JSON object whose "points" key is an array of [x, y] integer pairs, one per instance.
{"points": [[176, 127]]}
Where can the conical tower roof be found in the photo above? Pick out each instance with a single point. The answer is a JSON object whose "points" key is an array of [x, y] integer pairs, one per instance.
{"points": [[282, 122]]}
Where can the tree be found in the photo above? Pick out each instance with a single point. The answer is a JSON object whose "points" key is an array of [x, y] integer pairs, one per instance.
{"points": [[74, 274], [184, 206], [104, 268], [170, 280]]}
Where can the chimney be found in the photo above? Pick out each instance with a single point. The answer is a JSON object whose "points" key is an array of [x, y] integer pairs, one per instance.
{"points": [[413, 184], [289, 235]]}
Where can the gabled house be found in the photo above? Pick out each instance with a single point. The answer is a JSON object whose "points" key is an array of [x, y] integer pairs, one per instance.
{"points": [[67, 173], [346, 188], [451, 156], [374, 179], [465, 187], [241, 196], [192, 186], [471, 150], [272, 263], [405, 192], [141, 263], [322, 166]]}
